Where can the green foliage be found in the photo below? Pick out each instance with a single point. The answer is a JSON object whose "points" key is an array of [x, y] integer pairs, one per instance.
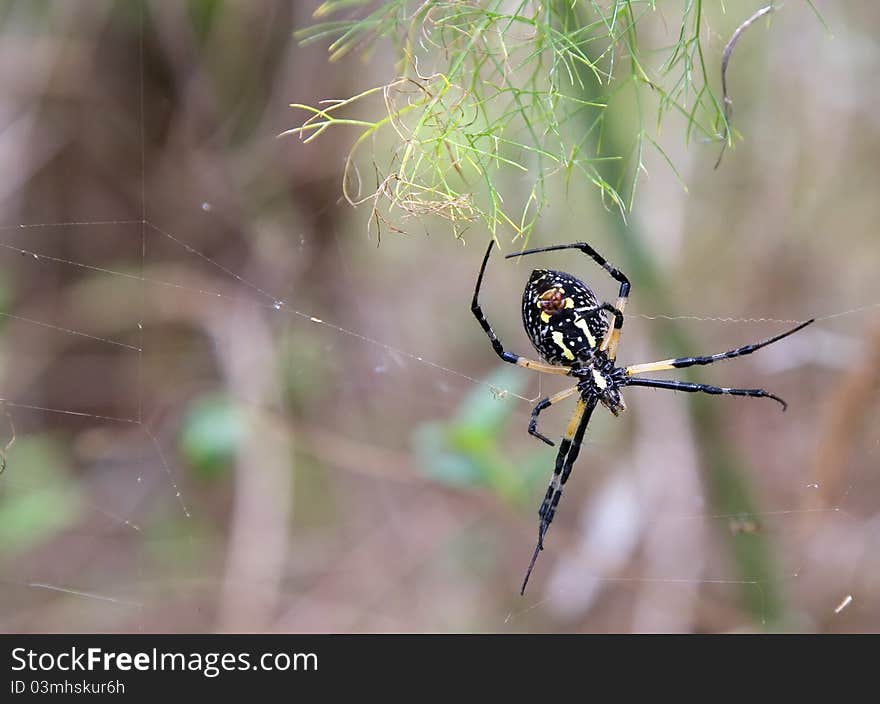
{"points": [[490, 88], [39, 498], [211, 433], [203, 14], [466, 450]]}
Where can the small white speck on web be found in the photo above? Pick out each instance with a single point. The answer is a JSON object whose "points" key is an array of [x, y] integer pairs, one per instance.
{"points": [[206, 206], [315, 320], [847, 600], [812, 486], [277, 305]]}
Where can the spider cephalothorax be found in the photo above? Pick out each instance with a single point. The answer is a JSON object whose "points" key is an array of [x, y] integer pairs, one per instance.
{"points": [[577, 336], [600, 378]]}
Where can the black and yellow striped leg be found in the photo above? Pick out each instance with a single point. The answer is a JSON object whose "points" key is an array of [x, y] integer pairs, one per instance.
{"points": [[612, 338], [691, 387], [682, 362], [493, 338], [544, 404], [618, 321], [569, 449]]}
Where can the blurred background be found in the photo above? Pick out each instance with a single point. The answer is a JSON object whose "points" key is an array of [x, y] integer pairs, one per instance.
{"points": [[233, 409]]}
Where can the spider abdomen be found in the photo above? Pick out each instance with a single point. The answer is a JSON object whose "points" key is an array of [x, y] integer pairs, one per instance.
{"points": [[562, 317]]}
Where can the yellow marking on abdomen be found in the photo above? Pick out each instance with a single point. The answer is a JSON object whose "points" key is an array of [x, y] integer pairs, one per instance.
{"points": [[582, 324], [559, 339]]}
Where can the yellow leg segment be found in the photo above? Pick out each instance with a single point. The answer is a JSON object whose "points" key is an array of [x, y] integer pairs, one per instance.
{"points": [[612, 337], [575, 419], [541, 367], [562, 395], [661, 366]]}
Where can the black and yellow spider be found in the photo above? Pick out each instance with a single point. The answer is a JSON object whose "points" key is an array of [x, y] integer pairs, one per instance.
{"points": [[569, 329]]}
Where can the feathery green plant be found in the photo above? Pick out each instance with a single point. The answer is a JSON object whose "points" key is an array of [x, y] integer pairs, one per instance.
{"points": [[492, 88]]}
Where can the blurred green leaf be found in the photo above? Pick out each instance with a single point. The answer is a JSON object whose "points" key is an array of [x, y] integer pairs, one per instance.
{"points": [[485, 411], [439, 462], [466, 450], [204, 13], [38, 498], [211, 434]]}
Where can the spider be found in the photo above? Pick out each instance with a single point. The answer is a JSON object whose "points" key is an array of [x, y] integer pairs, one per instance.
{"points": [[574, 335]]}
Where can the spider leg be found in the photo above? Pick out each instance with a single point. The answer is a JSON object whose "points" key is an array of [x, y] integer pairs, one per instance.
{"points": [[618, 324], [569, 449], [612, 338], [681, 362], [691, 387], [543, 404], [496, 343]]}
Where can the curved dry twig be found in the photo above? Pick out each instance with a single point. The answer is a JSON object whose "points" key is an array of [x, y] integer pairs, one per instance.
{"points": [[725, 60]]}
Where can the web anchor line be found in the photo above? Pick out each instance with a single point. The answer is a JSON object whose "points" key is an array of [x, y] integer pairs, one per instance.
{"points": [[276, 304], [281, 305], [781, 321]]}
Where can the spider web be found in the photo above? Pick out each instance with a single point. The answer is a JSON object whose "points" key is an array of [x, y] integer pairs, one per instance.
{"points": [[144, 439]]}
